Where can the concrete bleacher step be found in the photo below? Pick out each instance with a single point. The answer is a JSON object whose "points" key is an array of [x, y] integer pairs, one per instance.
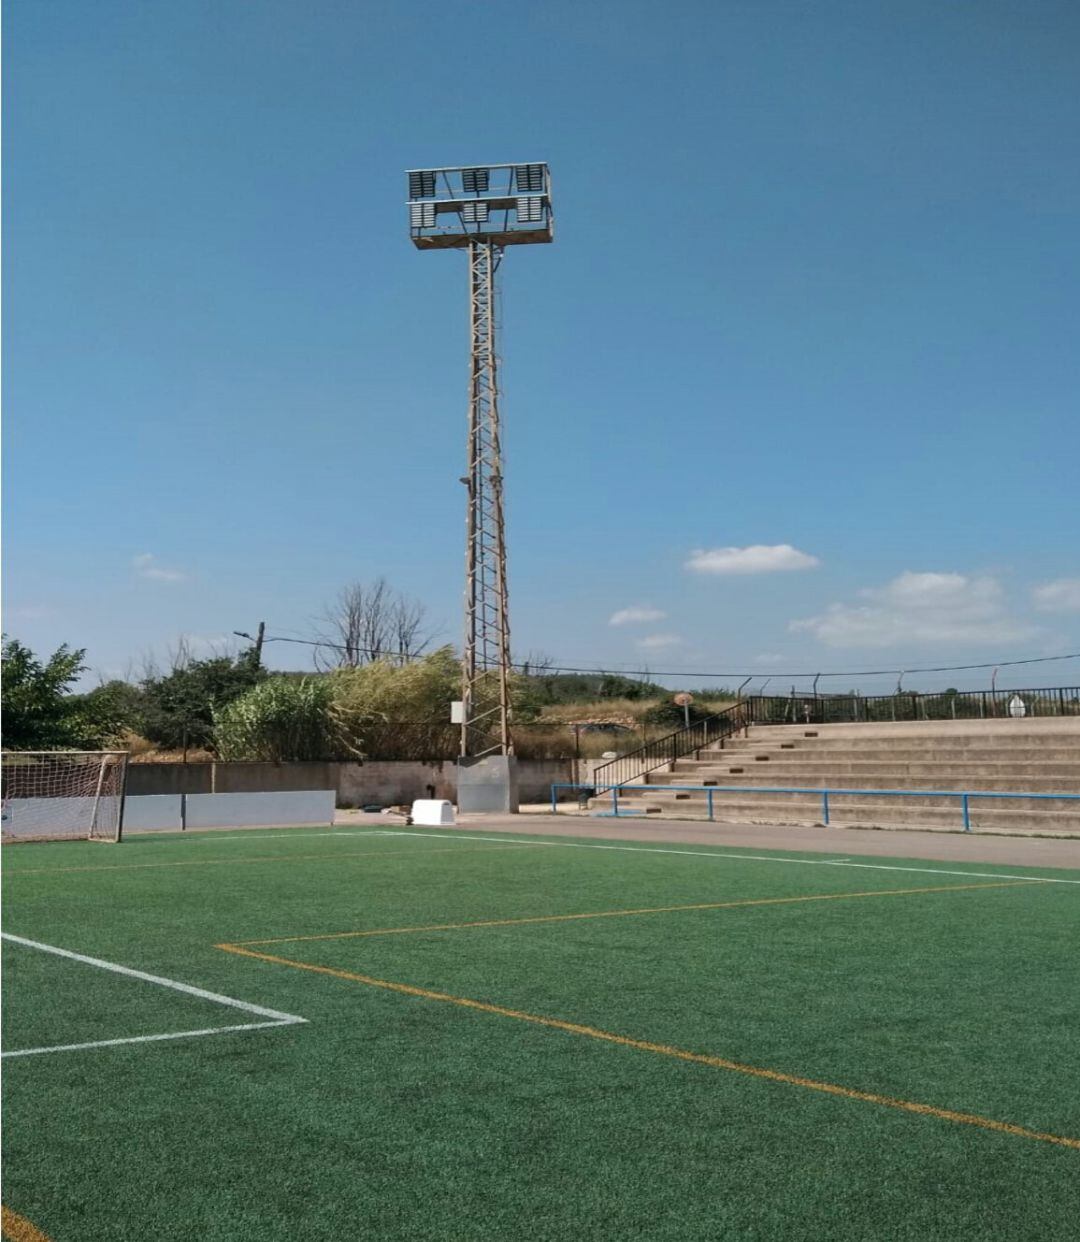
{"points": [[939, 813], [993, 747], [1040, 756], [816, 765], [879, 779], [657, 794], [905, 753]]}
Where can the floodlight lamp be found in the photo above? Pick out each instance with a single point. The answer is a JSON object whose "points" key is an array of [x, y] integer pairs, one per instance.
{"points": [[501, 204], [530, 210], [475, 180], [529, 177], [422, 184]]}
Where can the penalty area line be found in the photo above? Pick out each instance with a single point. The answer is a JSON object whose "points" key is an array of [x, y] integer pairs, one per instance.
{"points": [[148, 1039], [274, 1016]]}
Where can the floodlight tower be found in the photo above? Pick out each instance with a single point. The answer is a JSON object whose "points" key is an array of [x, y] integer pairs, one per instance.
{"points": [[482, 210]]}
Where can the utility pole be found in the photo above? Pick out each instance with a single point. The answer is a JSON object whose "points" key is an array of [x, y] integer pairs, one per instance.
{"points": [[258, 639]]}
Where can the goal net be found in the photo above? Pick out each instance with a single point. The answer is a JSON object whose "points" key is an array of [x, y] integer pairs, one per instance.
{"points": [[63, 795]]}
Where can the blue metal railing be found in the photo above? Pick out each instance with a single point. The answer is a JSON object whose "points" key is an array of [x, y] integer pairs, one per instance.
{"points": [[965, 796]]}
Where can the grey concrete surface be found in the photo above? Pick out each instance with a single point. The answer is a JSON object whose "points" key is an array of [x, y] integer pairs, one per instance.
{"points": [[288, 808], [855, 842]]}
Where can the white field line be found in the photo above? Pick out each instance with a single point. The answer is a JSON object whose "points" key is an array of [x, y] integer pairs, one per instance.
{"points": [[803, 862], [261, 1011], [146, 1039], [210, 839]]}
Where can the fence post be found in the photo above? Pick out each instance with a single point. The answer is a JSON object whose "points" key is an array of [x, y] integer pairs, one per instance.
{"points": [[825, 807], [554, 800], [967, 812], [615, 799], [710, 798]]}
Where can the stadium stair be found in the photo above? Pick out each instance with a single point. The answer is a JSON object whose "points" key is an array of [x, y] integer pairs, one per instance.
{"points": [[1038, 756]]}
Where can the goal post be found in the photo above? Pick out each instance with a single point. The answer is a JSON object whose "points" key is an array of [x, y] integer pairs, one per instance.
{"points": [[63, 795]]}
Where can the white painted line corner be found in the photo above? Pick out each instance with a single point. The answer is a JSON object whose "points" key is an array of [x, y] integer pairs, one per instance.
{"points": [[275, 1017]]}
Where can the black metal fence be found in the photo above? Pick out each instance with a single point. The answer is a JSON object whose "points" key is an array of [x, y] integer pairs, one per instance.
{"points": [[672, 746], [911, 705]]}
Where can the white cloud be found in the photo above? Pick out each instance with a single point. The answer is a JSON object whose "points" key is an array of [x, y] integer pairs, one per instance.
{"points": [[769, 658], [636, 614], [758, 558], [1061, 595], [146, 566], [655, 642], [921, 608]]}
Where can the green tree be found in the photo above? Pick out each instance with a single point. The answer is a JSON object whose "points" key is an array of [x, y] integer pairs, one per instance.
{"points": [[280, 719], [106, 713], [41, 712], [669, 715], [177, 709]]}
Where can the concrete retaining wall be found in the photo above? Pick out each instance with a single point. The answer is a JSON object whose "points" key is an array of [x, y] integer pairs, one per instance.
{"points": [[386, 783], [205, 778], [381, 783]]}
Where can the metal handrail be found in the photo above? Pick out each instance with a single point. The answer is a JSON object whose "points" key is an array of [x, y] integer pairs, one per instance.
{"points": [[667, 749], [965, 795]]}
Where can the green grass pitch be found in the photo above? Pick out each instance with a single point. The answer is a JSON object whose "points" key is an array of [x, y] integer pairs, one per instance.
{"points": [[737, 1046]]}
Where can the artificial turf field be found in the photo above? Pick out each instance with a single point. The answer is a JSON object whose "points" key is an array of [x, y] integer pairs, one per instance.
{"points": [[722, 1045]]}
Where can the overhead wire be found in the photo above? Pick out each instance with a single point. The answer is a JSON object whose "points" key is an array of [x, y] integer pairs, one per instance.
{"points": [[601, 669]]}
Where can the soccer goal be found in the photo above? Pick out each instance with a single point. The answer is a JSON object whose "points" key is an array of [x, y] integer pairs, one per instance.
{"points": [[55, 795]]}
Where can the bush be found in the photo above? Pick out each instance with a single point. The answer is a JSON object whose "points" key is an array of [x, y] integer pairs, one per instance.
{"points": [[283, 718], [673, 716], [400, 711]]}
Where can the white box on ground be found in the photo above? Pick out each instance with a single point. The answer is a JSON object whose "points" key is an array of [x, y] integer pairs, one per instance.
{"points": [[432, 811]]}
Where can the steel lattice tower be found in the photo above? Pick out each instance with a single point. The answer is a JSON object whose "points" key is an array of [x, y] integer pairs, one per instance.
{"points": [[485, 690], [483, 210]]}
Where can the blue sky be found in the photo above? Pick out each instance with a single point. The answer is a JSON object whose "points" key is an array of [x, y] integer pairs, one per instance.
{"points": [[800, 372]]}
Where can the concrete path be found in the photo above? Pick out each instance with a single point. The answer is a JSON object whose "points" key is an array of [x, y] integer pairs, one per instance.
{"points": [[943, 847]]}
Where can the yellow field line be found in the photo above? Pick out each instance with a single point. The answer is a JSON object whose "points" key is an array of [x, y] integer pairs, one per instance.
{"points": [[18, 1228], [228, 862], [666, 1050], [615, 914]]}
